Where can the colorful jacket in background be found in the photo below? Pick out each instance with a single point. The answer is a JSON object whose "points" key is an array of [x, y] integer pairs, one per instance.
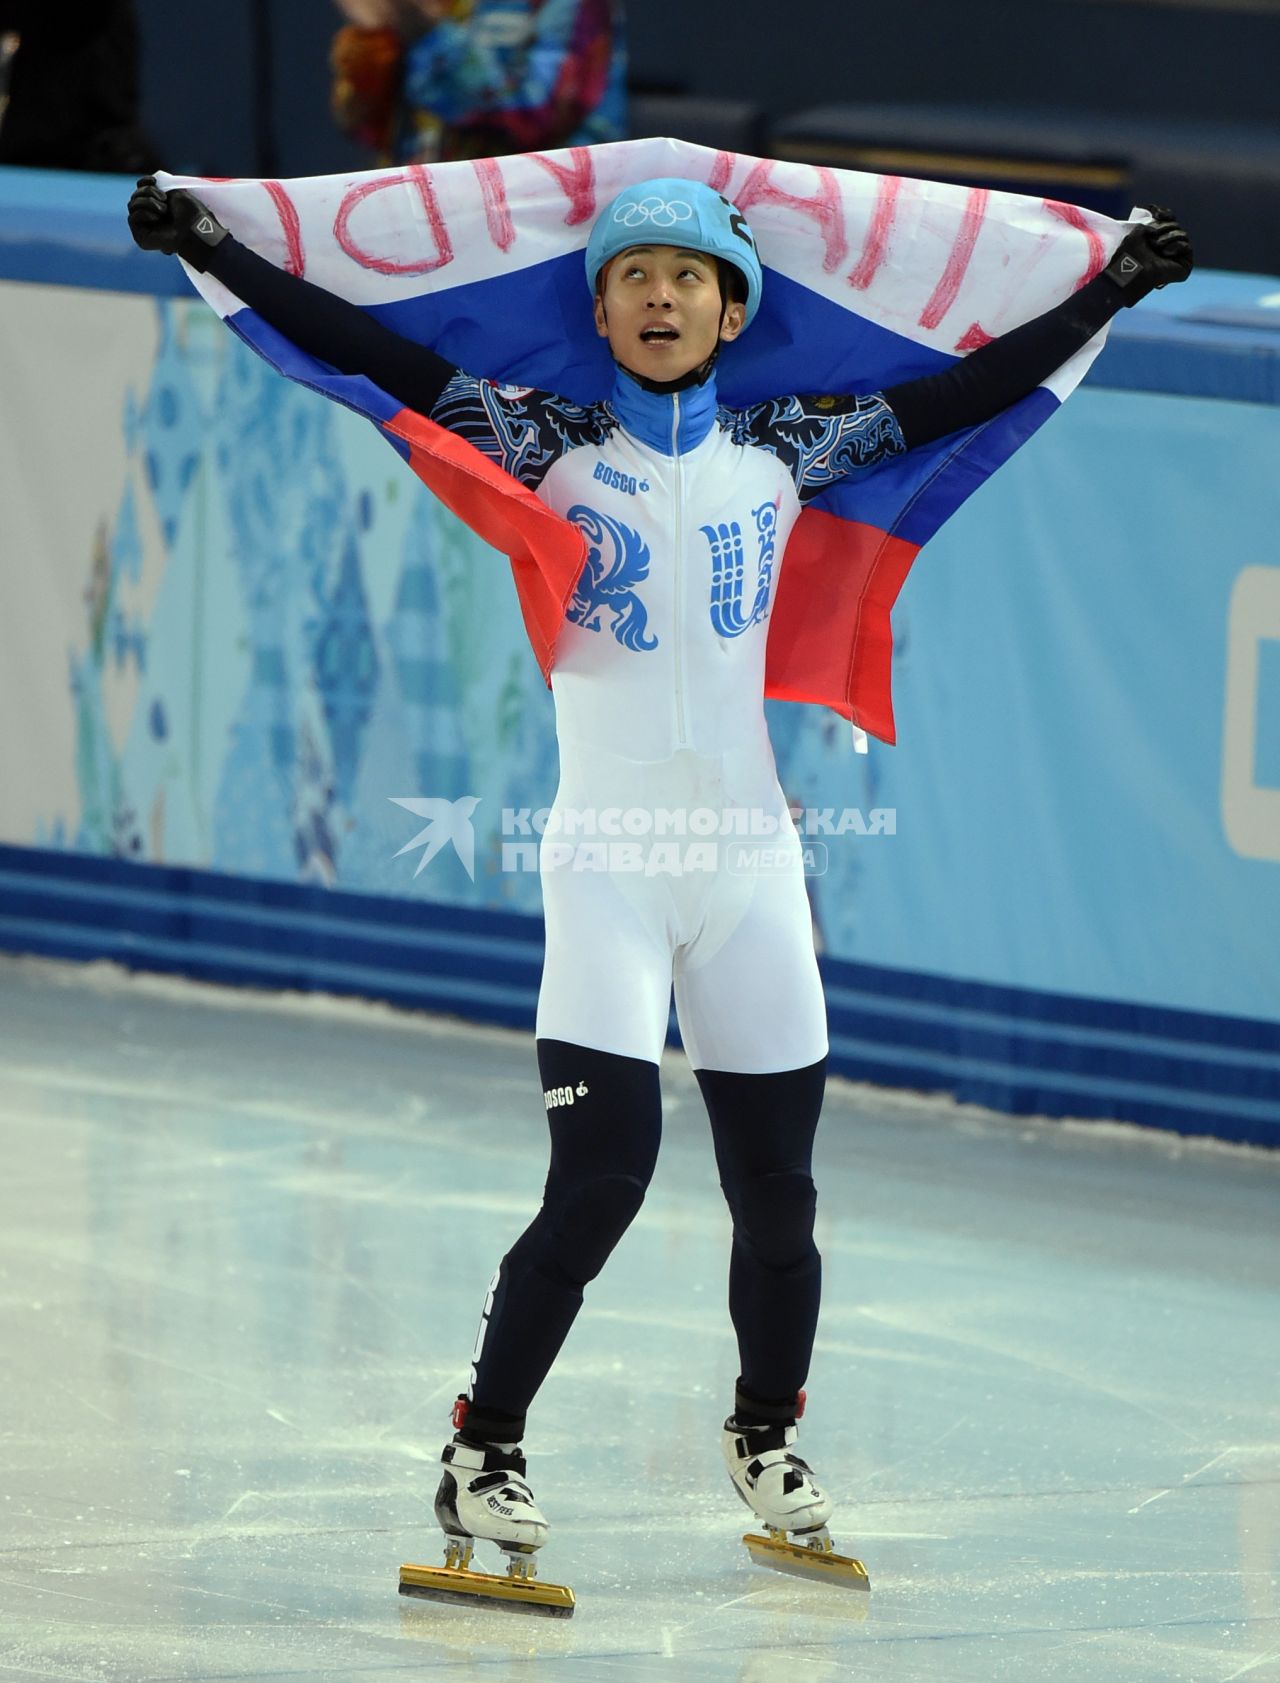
{"points": [[497, 77]]}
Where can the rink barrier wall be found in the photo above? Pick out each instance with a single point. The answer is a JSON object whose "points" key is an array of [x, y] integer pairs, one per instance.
{"points": [[1015, 1049]]}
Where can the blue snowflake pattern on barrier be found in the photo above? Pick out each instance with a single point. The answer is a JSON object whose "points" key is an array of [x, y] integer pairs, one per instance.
{"points": [[345, 666], [617, 561], [171, 426]]}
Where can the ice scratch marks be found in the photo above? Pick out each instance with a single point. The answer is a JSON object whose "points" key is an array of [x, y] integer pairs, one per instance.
{"points": [[1233, 1449], [1262, 1659], [205, 1377], [873, 1531], [702, 1617], [410, 1451], [244, 1496], [242, 1600], [39, 1588], [915, 1454], [925, 1324], [419, 1407], [80, 1399], [735, 1599], [1150, 1499]]}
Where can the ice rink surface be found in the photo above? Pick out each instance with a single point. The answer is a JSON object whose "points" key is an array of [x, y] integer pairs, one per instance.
{"points": [[243, 1248]]}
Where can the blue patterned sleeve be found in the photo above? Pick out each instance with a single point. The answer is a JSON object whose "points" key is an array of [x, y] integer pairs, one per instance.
{"points": [[821, 439], [520, 430]]}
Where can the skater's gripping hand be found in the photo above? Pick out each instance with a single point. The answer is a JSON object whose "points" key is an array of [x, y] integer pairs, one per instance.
{"points": [[1154, 255], [173, 222]]}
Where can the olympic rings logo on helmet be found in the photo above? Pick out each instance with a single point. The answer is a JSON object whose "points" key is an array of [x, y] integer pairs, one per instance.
{"points": [[673, 210], [663, 213]]}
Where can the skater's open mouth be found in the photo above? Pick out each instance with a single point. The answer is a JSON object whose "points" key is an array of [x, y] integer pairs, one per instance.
{"points": [[659, 335]]}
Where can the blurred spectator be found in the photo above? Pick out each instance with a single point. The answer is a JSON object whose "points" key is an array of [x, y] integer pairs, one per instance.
{"points": [[73, 87], [423, 81]]}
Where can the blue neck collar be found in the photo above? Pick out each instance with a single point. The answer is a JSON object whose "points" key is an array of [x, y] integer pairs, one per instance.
{"points": [[652, 416]]}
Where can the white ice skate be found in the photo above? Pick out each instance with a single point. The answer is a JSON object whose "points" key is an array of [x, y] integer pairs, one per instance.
{"points": [[784, 1495], [483, 1496]]}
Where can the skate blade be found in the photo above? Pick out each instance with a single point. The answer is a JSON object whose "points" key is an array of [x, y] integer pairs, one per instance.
{"points": [[462, 1587], [782, 1555]]}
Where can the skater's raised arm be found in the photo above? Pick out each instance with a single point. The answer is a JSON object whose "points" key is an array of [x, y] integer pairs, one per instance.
{"points": [[519, 430], [825, 439], [980, 385], [325, 326]]}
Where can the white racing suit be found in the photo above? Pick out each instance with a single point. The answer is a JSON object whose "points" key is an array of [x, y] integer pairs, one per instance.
{"points": [[671, 856]]}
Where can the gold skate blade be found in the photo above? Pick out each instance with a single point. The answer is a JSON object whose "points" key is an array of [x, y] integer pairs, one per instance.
{"points": [[464, 1588], [782, 1555]]}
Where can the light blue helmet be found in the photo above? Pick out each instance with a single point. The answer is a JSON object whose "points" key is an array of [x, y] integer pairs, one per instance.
{"points": [[669, 211]]}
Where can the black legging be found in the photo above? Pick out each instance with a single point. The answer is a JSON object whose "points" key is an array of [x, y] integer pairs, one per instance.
{"points": [[605, 1113]]}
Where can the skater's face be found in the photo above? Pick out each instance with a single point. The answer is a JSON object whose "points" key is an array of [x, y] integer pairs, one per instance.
{"points": [[661, 310]]}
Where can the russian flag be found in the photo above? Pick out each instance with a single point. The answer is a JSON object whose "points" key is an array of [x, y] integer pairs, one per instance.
{"points": [[869, 280]]}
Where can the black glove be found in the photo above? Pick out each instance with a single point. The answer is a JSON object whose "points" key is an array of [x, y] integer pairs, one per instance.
{"points": [[1154, 255], [175, 223]]}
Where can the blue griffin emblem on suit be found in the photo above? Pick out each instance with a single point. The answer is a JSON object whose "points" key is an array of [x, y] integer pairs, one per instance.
{"points": [[729, 571], [617, 561]]}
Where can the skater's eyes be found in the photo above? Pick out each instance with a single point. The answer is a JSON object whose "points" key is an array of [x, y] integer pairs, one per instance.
{"points": [[691, 274], [686, 272]]}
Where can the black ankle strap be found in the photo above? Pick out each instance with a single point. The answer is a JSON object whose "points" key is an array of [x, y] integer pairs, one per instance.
{"points": [[482, 1426], [750, 1410]]}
